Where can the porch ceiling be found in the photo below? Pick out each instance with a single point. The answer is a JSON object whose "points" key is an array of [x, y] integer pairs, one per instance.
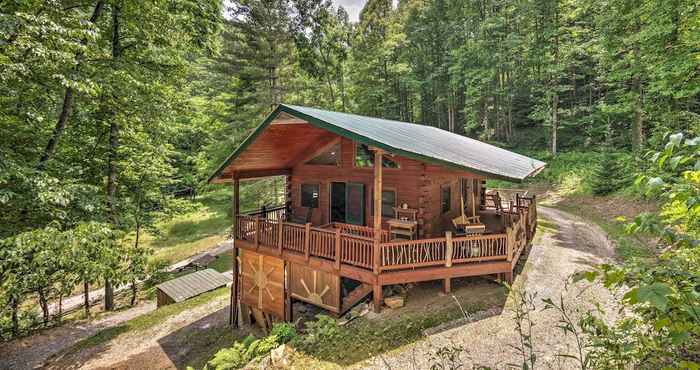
{"points": [[281, 145]]}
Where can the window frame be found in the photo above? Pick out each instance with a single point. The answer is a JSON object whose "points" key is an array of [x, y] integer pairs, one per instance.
{"points": [[354, 159], [396, 201]]}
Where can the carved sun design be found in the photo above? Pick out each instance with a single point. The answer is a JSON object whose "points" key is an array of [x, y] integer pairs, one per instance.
{"points": [[316, 298], [261, 280]]}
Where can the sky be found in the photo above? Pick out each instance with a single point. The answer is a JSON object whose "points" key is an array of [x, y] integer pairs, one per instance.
{"points": [[353, 7]]}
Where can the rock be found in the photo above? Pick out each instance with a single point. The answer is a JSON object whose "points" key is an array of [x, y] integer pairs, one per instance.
{"points": [[281, 356], [396, 301]]}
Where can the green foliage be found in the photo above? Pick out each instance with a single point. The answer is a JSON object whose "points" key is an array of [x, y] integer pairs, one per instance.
{"points": [[663, 330], [284, 332], [250, 348], [230, 358], [612, 173], [322, 330], [49, 263]]}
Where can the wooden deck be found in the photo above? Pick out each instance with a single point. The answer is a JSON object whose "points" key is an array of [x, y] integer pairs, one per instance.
{"points": [[349, 250]]}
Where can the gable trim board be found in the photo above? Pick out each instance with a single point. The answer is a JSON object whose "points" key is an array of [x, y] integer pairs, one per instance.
{"points": [[420, 142]]}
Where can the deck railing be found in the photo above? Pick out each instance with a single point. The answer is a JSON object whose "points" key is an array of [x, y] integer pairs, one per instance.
{"points": [[354, 245], [357, 230], [277, 212]]}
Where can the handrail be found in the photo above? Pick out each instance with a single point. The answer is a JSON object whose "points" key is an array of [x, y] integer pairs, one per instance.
{"points": [[346, 244], [265, 211]]}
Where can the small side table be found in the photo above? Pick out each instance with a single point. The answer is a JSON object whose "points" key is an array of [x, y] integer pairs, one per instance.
{"points": [[402, 227]]}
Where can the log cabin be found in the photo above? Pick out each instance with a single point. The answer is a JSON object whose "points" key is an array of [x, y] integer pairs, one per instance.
{"points": [[368, 203]]}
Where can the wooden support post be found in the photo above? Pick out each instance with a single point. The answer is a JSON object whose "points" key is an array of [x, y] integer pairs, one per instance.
{"points": [[287, 197], [509, 244], [245, 314], [377, 210], [337, 249], [448, 249], [288, 309], [257, 232], [446, 285], [377, 297], [233, 318], [280, 235], [509, 277], [307, 240]]}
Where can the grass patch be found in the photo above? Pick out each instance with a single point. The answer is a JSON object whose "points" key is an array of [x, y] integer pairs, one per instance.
{"points": [[146, 321], [194, 232], [222, 263], [365, 338], [205, 343]]}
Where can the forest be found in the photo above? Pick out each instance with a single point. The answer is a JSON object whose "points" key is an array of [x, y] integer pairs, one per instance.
{"points": [[111, 109]]}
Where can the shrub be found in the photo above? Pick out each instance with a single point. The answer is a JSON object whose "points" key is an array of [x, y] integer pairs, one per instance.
{"points": [[250, 348], [230, 358], [316, 332], [285, 332]]}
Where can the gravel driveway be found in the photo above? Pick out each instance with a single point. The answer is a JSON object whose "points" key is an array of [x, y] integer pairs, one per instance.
{"points": [[568, 245]]}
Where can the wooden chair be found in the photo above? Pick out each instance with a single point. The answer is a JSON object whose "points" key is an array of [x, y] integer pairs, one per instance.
{"points": [[301, 218], [495, 197]]}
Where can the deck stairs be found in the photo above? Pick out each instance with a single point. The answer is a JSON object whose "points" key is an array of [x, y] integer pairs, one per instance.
{"points": [[355, 296]]}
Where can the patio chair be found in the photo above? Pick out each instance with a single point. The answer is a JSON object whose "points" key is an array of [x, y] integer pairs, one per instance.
{"points": [[301, 217]]}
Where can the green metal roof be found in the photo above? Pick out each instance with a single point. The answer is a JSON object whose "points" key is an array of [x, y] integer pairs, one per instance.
{"points": [[420, 142]]}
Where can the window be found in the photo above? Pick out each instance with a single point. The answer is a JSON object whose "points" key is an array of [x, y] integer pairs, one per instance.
{"points": [[364, 157], [445, 198], [309, 195], [388, 203], [329, 157]]}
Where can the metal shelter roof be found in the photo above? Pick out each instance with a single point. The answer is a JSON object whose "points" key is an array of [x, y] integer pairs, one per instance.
{"points": [[194, 284], [420, 142]]}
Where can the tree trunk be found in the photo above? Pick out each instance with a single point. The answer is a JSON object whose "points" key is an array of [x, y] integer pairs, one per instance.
{"points": [[67, 107], [638, 128], [86, 294], [113, 155], [15, 316], [134, 291], [555, 123], [60, 307], [44, 305], [134, 287], [109, 295]]}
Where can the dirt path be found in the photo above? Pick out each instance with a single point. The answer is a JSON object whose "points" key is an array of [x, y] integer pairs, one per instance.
{"points": [[567, 244], [158, 347], [31, 352]]}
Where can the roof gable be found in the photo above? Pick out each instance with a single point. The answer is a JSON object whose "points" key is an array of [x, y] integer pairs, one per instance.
{"points": [[420, 142]]}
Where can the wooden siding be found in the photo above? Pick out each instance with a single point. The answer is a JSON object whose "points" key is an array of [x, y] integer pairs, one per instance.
{"points": [[415, 184]]}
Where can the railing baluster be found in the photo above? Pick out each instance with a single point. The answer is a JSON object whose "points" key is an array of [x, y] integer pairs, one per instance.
{"points": [[257, 232]]}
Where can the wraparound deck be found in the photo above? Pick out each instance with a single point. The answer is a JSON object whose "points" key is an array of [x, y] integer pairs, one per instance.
{"points": [[352, 251]]}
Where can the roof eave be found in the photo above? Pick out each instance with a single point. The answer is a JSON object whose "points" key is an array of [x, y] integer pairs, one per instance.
{"points": [[213, 179], [359, 138]]}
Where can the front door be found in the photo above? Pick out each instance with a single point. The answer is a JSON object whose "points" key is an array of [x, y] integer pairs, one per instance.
{"points": [[348, 203]]}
